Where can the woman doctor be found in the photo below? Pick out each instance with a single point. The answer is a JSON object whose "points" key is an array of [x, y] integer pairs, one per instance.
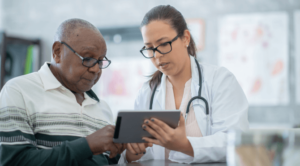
{"points": [[202, 137]]}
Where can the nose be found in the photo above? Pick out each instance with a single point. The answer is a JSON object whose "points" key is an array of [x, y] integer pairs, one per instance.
{"points": [[95, 69], [157, 54]]}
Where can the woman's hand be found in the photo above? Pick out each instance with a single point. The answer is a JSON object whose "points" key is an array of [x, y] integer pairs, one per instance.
{"points": [[173, 139], [136, 150]]}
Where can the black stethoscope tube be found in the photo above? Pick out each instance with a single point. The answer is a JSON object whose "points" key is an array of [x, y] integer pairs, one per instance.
{"points": [[192, 99]]}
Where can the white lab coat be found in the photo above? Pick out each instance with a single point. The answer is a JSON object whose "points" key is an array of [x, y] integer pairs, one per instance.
{"points": [[228, 108]]}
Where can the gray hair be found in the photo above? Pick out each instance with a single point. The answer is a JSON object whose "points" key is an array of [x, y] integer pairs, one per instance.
{"points": [[66, 28]]}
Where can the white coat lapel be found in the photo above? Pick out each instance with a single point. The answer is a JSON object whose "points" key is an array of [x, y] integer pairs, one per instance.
{"points": [[159, 104], [160, 95], [198, 105]]}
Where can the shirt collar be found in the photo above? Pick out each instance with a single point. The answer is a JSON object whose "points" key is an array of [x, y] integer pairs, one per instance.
{"points": [[50, 82], [47, 77]]}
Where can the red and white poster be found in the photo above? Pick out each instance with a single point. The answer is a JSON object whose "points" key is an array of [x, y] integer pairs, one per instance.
{"points": [[254, 47], [120, 82], [297, 52]]}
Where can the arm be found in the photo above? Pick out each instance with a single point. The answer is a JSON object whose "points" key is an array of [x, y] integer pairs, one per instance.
{"points": [[229, 110], [18, 143]]}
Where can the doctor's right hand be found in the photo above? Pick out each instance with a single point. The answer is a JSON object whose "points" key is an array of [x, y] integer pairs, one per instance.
{"points": [[136, 150]]}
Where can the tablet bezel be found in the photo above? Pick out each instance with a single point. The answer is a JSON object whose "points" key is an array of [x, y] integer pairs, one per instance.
{"points": [[129, 124]]}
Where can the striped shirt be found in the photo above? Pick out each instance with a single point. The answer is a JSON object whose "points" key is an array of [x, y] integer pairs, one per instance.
{"points": [[41, 122]]}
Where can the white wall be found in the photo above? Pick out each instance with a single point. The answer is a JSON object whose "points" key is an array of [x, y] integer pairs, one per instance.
{"points": [[1, 15], [39, 19]]}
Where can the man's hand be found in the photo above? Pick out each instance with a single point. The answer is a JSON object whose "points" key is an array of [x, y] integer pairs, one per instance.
{"points": [[102, 141]]}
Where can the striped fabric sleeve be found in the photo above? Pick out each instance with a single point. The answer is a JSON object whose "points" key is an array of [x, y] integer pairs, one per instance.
{"points": [[18, 144]]}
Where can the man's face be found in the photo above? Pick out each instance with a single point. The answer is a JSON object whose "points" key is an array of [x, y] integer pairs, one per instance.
{"points": [[74, 75]]}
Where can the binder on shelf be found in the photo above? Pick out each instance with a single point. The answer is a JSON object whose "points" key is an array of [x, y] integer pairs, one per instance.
{"points": [[18, 56]]}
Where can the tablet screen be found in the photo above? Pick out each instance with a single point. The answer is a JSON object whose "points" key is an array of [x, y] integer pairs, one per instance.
{"points": [[129, 124]]}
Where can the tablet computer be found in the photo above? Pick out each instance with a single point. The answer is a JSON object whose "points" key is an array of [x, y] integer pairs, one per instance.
{"points": [[129, 124]]}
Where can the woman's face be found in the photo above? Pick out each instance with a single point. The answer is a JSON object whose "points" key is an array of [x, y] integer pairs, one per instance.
{"points": [[158, 32]]}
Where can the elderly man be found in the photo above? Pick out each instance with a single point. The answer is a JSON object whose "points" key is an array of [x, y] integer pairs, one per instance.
{"points": [[52, 117]]}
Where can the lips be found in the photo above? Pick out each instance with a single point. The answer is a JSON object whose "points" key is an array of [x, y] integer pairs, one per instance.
{"points": [[164, 65]]}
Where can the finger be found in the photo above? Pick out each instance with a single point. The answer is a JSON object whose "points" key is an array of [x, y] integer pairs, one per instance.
{"points": [[181, 122], [119, 146], [131, 150], [142, 147], [110, 130], [110, 127], [136, 148], [152, 132], [152, 141], [164, 127], [157, 132], [150, 144], [113, 151], [124, 146]]}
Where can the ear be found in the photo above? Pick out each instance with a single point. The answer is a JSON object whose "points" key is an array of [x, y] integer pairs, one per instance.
{"points": [[186, 37], [57, 51]]}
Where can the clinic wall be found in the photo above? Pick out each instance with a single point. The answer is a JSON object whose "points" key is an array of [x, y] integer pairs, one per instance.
{"points": [[1, 15], [39, 19]]}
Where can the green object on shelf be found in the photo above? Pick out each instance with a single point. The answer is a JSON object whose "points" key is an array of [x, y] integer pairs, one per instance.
{"points": [[29, 59]]}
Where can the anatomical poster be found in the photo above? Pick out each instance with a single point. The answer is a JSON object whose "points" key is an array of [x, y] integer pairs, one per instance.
{"points": [[254, 47], [120, 82], [297, 53]]}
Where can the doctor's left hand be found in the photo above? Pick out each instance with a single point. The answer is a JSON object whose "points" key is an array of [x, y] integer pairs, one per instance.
{"points": [[172, 139]]}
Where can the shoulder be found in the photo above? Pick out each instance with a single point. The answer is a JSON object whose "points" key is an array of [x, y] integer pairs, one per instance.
{"points": [[24, 82], [214, 73], [17, 90], [145, 88], [143, 98]]}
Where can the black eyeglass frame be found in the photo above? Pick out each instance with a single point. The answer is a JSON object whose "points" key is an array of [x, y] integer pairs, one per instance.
{"points": [[82, 58], [155, 49]]}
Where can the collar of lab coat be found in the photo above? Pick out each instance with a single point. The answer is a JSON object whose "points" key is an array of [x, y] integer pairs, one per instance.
{"points": [[161, 89]]}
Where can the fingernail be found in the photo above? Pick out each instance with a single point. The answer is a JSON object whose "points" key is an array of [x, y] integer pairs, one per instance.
{"points": [[147, 122], [144, 152], [152, 120], [137, 154], [144, 127]]}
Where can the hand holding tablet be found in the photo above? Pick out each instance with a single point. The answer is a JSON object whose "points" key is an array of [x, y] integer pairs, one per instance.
{"points": [[129, 124]]}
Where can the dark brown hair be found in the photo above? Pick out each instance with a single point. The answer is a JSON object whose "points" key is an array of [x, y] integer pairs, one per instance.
{"points": [[175, 19]]}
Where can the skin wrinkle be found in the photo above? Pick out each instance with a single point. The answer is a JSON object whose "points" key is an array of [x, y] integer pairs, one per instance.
{"points": [[66, 66]]}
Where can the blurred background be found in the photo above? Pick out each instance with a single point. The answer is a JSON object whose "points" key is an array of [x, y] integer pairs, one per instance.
{"points": [[257, 40]]}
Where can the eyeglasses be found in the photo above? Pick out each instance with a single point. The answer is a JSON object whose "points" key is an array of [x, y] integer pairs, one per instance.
{"points": [[163, 48], [90, 62]]}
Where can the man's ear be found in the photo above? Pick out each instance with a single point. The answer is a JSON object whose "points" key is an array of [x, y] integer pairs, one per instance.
{"points": [[56, 51]]}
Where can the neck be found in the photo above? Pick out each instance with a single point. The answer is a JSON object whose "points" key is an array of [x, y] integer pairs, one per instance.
{"points": [[54, 70], [179, 80]]}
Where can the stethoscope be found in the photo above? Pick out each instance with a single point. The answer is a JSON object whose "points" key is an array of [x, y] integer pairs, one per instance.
{"points": [[191, 100]]}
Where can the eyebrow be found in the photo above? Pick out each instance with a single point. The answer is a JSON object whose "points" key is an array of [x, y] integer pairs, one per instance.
{"points": [[157, 40]]}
